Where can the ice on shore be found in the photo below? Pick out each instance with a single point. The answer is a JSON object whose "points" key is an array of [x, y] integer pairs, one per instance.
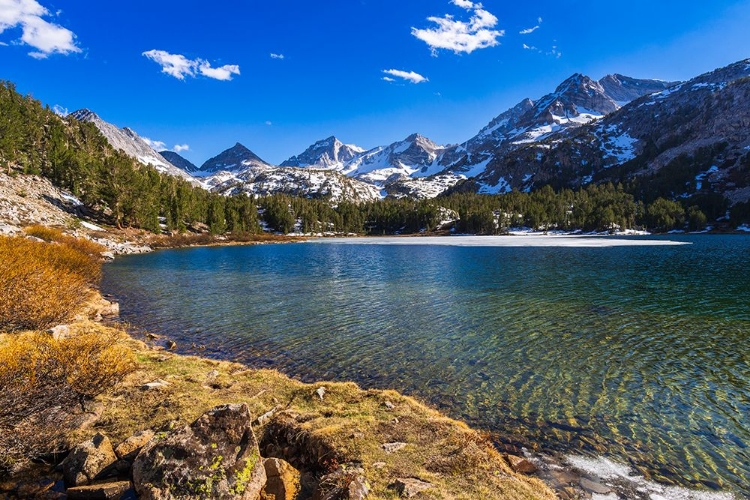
{"points": [[505, 241]]}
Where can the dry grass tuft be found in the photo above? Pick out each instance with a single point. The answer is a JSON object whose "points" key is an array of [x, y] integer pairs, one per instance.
{"points": [[45, 384]]}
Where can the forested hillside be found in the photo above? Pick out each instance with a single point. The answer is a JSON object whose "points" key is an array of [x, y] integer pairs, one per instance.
{"points": [[75, 156]]}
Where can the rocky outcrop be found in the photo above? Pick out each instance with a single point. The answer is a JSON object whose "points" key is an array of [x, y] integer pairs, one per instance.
{"points": [[216, 456]]}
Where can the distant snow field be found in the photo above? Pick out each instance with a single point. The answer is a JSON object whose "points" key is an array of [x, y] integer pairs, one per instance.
{"points": [[504, 241]]}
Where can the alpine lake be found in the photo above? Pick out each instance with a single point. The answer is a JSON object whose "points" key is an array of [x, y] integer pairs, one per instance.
{"points": [[636, 349]]}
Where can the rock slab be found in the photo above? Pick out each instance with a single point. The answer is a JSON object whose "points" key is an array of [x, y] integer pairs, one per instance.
{"points": [[216, 456], [105, 491]]}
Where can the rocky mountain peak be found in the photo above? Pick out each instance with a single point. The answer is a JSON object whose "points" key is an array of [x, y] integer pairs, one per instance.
{"points": [[236, 158], [624, 89], [129, 142], [179, 161], [326, 153], [85, 115]]}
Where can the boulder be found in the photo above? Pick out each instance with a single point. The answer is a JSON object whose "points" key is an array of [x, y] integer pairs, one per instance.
{"points": [[408, 487], [88, 460], [128, 449], [103, 491], [216, 456], [283, 480]]}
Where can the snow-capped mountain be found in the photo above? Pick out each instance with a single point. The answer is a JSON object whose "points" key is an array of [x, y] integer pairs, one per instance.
{"points": [[577, 101], [235, 159], [415, 156], [690, 138], [179, 162], [326, 154], [239, 170], [130, 143], [418, 167], [303, 182]]}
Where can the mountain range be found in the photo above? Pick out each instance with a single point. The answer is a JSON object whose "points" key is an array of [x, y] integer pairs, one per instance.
{"points": [[617, 129]]}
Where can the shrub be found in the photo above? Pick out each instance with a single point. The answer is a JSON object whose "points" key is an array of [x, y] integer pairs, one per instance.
{"points": [[53, 235], [44, 382], [42, 284]]}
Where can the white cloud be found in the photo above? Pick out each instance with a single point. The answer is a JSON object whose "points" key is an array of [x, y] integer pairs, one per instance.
{"points": [[223, 73], [465, 4], [406, 75], [277, 56], [269, 123], [388, 79], [179, 66], [179, 148], [46, 37], [155, 145], [461, 36], [60, 111], [529, 47]]}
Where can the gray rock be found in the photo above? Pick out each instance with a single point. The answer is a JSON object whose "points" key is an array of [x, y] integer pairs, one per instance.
{"points": [[216, 456], [88, 460], [156, 384], [408, 487], [393, 447]]}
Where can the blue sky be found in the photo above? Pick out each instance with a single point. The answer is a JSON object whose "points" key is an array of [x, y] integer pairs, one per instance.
{"points": [[279, 75]]}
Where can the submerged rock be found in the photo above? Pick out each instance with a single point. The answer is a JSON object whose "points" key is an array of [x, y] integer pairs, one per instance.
{"points": [[216, 456]]}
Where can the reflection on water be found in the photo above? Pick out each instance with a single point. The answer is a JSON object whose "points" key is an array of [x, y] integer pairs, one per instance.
{"points": [[632, 352]]}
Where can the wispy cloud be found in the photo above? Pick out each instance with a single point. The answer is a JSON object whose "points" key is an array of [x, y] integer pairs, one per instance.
{"points": [[269, 122], [554, 51], [533, 29], [60, 110], [409, 76], [155, 145], [388, 79], [46, 37], [179, 148], [179, 66], [277, 56], [461, 36]]}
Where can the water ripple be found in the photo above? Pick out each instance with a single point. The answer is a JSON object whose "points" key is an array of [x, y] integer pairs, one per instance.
{"points": [[637, 353]]}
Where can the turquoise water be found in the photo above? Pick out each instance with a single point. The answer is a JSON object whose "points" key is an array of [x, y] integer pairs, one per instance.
{"points": [[636, 353]]}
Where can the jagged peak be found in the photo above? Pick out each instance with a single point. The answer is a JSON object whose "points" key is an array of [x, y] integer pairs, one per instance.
{"points": [[85, 114]]}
